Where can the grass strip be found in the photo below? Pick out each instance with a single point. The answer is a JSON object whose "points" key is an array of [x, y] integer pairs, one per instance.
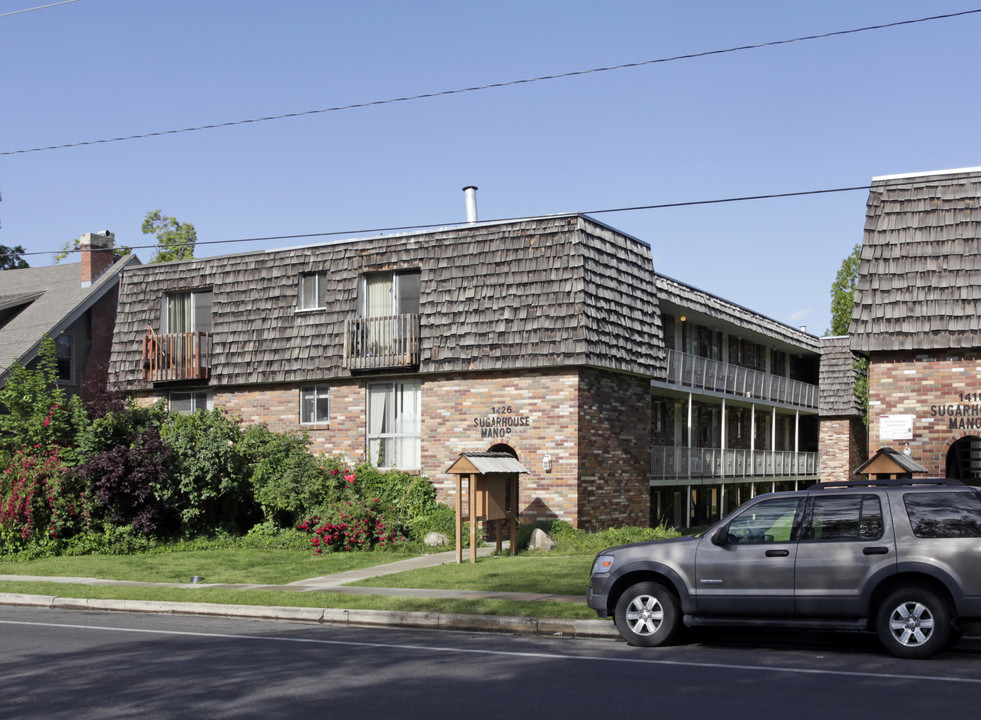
{"points": [[226, 596]]}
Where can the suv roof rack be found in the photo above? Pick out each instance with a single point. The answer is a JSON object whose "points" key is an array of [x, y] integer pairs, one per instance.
{"points": [[884, 482]]}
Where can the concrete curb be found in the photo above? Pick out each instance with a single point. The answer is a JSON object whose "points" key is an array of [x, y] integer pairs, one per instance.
{"points": [[337, 616]]}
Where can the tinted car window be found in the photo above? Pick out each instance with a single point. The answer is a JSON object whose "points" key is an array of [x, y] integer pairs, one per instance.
{"points": [[847, 517], [944, 515], [768, 521]]}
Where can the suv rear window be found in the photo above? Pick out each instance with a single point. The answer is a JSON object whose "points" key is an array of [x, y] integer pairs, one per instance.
{"points": [[845, 517], [944, 515]]}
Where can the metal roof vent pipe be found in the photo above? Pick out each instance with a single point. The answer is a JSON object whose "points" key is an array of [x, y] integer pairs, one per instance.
{"points": [[471, 192]]}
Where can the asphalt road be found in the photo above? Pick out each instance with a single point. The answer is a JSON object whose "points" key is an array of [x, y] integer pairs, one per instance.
{"points": [[64, 664]]}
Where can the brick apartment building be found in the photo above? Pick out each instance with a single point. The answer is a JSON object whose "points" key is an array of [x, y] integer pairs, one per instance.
{"points": [[917, 316], [542, 337]]}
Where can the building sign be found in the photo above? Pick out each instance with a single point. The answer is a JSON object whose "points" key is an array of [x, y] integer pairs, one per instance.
{"points": [[962, 416], [896, 427], [501, 423]]}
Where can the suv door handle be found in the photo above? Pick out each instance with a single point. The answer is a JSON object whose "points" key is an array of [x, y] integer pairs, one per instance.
{"points": [[777, 553], [877, 550]]}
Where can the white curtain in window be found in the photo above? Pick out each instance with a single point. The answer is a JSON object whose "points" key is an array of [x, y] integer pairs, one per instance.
{"points": [[379, 295]]}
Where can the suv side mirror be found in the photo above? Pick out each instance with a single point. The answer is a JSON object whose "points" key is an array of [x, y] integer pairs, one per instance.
{"points": [[721, 536]]}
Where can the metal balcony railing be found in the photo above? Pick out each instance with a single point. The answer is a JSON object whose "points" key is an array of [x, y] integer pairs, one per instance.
{"points": [[703, 374], [372, 343], [682, 463], [176, 356]]}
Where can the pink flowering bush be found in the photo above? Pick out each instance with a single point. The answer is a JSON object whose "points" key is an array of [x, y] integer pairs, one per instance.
{"points": [[40, 502], [350, 523]]}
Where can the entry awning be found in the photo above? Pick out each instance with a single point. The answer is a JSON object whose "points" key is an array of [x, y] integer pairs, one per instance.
{"points": [[485, 463]]}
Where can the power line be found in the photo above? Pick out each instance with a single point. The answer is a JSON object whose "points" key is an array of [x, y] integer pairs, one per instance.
{"points": [[490, 86], [39, 7], [632, 208]]}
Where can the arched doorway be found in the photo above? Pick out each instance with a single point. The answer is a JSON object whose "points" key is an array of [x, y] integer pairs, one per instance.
{"points": [[501, 447], [964, 460]]}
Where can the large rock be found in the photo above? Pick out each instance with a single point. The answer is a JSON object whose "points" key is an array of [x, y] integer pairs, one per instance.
{"points": [[540, 541], [435, 539]]}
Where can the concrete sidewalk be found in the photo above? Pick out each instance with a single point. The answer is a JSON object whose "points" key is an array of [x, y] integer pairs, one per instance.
{"points": [[335, 584]]}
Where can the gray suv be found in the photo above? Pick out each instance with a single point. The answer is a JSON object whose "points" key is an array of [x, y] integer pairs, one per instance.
{"points": [[901, 557]]}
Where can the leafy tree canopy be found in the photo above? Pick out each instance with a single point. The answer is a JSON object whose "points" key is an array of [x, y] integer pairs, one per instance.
{"points": [[843, 292], [10, 257], [175, 240]]}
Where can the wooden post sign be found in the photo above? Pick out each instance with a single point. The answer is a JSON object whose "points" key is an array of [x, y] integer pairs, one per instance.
{"points": [[492, 495]]}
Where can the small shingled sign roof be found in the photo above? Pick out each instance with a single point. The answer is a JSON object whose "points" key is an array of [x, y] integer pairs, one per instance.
{"points": [[485, 463]]}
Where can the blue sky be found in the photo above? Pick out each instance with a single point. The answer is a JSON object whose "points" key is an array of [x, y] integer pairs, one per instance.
{"points": [[805, 116]]}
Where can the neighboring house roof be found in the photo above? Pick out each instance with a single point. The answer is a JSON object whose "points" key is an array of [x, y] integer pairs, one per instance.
{"points": [[919, 280], [533, 293], [837, 381], [714, 310], [44, 301]]}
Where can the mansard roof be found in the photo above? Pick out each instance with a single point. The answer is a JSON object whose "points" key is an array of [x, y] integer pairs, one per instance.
{"points": [[919, 280], [533, 293]]}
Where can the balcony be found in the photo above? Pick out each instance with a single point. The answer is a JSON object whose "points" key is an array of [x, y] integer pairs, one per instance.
{"points": [[686, 463], [169, 357], [377, 343], [701, 373]]}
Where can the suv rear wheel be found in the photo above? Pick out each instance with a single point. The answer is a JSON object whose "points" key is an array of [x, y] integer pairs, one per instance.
{"points": [[647, 614], [913, 623]]}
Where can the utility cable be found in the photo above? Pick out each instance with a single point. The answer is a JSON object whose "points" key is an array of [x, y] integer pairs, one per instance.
{"points": [[39, 7], [633, 208], [490, 86]]}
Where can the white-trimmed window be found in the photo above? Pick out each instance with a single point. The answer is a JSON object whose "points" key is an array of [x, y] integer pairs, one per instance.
{"points": [[65, 357], [313, 291], [188, 402], [314, 405], [394, 428], [187, 311]]}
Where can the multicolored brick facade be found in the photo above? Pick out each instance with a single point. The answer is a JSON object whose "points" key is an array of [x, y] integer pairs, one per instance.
{"points": [[936, 395], [593, 425]]}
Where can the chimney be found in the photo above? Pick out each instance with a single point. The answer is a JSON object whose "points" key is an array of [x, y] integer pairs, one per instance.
{"points": [[471, 192], [96, 249]]}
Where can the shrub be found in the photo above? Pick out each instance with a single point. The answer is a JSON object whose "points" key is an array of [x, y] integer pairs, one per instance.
{"points": [[209, 486], [41, 504], [126, 482], [287, 480], [572, 541]]}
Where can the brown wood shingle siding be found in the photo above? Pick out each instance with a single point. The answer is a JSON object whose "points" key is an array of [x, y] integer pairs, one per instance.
{"points": [[838, 377], [534, 293], [919, 283]]}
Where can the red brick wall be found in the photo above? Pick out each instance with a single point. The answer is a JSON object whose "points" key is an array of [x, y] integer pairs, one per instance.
{"points": [[595, 428], [843, 446], [941, 390], [614, 450]]}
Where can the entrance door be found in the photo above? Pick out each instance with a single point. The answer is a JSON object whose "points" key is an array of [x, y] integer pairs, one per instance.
{"points": [[964, 460]]}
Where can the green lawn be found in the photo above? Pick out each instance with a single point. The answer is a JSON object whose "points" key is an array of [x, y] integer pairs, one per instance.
{"points": [[567, 575], [226, 566]]}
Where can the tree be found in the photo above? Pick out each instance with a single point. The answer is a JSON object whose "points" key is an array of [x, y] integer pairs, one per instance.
{"points": [[70, 246], [843, 292], [842, 300], [175, 240], [10, 257]]}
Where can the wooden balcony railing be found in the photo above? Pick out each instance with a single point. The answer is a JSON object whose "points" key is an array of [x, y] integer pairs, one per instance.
{"points": [[176, 356], [373, 343]]}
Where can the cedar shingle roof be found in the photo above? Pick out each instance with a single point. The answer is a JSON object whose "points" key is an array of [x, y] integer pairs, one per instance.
{"points": [[919, 283], [837, 381], [674, 293], [542, 292]]}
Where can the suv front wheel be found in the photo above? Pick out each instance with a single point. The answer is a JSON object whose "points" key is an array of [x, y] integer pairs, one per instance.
{"points": [[647, 614], [913, 623]]}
